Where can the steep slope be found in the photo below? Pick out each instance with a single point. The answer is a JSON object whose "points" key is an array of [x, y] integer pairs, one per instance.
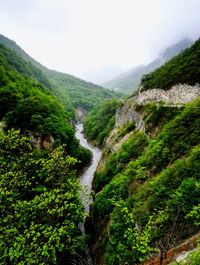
{"points": [[71, 91], [129, 81], [147, 185], [100, 121], [81, 93]]}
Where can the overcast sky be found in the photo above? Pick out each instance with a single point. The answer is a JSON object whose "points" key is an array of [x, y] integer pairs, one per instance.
{"points": [[79, 36]]}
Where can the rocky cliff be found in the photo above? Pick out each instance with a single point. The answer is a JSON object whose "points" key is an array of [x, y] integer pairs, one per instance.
{"points": [[133, 109]]}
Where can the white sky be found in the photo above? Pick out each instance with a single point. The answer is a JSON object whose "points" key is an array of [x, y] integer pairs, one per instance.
{"points": [[79, 36]]}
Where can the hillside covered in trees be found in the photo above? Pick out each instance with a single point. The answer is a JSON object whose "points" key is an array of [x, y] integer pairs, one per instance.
{"points": [[71, 91]]}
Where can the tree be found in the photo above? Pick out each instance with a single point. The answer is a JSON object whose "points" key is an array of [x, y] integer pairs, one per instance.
{"points": [[130, 243], [40, 204]]}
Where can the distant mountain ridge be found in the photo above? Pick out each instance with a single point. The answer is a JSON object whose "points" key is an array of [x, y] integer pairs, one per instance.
{"points": [[129, 81]]}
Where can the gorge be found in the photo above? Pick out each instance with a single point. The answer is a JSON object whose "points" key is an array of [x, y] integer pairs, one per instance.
{"points": [[143, 178]]}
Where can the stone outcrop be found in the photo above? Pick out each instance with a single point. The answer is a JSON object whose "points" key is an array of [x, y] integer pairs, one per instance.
{"points": [[127, 113], [80, 114], [175, 253], [178, 95], [42, 142]]}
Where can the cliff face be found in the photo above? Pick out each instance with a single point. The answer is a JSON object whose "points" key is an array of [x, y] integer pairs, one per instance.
{"points": [[177, 96], [133, 109], [137, 150]]}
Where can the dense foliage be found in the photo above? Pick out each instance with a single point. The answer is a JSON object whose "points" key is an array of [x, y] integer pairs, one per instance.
{"points": [[40, 204], [81, 93], [184, 68], [100, 121], [155, 184]]}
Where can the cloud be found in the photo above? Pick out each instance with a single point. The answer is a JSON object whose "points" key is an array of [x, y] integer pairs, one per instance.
{"points": [[77, 36]]}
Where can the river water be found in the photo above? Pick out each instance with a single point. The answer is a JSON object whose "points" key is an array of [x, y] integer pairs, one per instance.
{"points": [[86, 180], [87, 176]]}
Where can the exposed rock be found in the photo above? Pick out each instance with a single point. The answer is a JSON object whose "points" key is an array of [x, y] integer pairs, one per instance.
{"points": [[80, 114], [43, 142], [177, 253], [177, 95], [126, 114], [48, 143]]}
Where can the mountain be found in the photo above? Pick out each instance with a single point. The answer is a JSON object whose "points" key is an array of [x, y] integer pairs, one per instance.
{"points": [[128, 82], [71, 91], [146, 206]]}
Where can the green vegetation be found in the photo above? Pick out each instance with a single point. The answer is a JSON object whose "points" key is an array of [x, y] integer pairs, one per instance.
{"points": [[100, 121], [81, 93], [184, 68], [149, 190], [40, 204], [117, 161], [156, 116]]}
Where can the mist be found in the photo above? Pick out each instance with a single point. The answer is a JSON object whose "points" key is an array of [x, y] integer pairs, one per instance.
{"points": [[79, 37]]}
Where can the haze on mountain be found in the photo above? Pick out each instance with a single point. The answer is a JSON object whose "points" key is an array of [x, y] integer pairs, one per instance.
{"points": [[129, 81], [102, 75], [78, 37]]}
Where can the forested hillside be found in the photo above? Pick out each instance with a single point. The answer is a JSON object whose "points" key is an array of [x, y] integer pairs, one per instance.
{"points": [[28, 105], [100, 121], [71, 91], [184, 69], [146, 187]]}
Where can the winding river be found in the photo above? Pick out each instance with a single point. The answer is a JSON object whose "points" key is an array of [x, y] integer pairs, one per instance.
{"points": [[87, 176], [86, 180]]}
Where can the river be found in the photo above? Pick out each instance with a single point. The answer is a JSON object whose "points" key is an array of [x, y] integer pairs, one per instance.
{"points": [[86, 180], [87, 176]]}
